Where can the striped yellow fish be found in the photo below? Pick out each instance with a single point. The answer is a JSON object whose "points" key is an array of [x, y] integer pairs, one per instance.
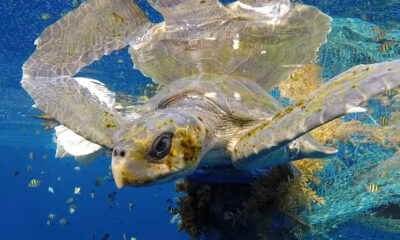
{"points": [[380, 36], [390, 92], [386, 45], [384, 121], [34, 183], [51, 216], [372, 188]]}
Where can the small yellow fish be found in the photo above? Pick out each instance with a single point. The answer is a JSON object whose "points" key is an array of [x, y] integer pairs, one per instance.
{"points": [[142, 99], [75, 3], [34, 183], [72, 209], [45, 16], [51, 216], [111, 196], [386, 45], [379, 36], [390, 93], [31, 155], [49, 223], [131, 204], [51, 190], [372, 188], [120, 61], [228, 216], [384, 121], [77, 168], [64, 222], [132, 238], [98, 182], [92, 194], [77, 190], [384, 175], [70, 200]]}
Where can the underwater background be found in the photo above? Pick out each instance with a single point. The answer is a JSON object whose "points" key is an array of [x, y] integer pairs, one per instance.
{"points": [[27, 150]]}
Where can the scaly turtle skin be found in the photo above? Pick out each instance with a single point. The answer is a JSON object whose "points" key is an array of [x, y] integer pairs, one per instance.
{"points": [[216, 64]]}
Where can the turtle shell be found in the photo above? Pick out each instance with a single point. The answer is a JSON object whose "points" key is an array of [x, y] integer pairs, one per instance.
{"points": [[262, 41]]}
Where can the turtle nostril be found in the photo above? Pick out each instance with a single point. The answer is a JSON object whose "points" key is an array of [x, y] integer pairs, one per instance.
{"points": [[119, 152]]}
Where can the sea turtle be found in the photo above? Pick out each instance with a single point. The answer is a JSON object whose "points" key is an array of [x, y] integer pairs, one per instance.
{"points": [[216, 64]]}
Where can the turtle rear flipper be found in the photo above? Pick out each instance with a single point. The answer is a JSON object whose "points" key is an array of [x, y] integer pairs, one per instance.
{"points": [[84, 35], [339, 96]]}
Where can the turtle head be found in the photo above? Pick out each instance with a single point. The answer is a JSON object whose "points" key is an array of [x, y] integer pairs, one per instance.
{"points": [[157, 147]]}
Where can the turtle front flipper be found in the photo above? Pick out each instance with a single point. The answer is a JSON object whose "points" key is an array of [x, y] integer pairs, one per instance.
{"points": [[280, 140], [84, 35]]}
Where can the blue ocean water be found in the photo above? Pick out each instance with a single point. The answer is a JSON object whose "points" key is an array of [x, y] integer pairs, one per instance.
{"points": [[24, 211]]}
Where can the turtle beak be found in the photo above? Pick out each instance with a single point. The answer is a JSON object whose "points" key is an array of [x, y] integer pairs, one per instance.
{"points": [[117, 176]]}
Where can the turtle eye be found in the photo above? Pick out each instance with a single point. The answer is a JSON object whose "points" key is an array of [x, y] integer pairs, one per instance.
{"points": [[161, 145]]}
